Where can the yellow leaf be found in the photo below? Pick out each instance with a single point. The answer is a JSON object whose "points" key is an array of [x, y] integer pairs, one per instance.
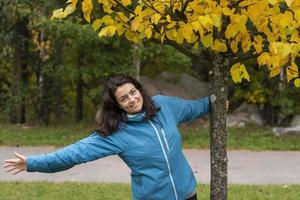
{"points": [[231, 31], [87, 7], [108, 31], [274, 72], [138, 9], [238, 72], [207, 40], [273, 2], [246, 2], [196, 25], [171, 34], [263, 58], [205, 21], [107, 20], [103, 32], [188, 32], [219, 45], [111, 30], [280, 48], [295, 36], [135, 24], [171, 25], [226, 11], [97, 24], [59, 14], [297, 82], [289, 2], [155, 18], [69, 9], [258, 43], [296, 49], [179, 37], [217, 22], [73, 2], [292, 71], [120, 29], [168, 18], [234, 46], [246, 42], [148, 32], [126, 2], [123, 17], [130, 35]]}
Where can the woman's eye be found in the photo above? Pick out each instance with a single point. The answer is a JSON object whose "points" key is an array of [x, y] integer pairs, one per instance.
{"points": [[123, 100], [133, 92]]}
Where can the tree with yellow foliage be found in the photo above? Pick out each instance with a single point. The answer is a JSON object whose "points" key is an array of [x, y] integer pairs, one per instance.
{"points": [[221, 34]]}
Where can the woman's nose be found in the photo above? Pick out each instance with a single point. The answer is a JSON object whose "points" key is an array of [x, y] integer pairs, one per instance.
{"points": [[131, 99]]}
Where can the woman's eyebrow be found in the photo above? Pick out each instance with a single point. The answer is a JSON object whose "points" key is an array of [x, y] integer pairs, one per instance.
{"points": [[128, 93]]}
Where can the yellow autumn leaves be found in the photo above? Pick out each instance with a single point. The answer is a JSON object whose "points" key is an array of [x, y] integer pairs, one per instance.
{"points": [[260, 27], [87, 8]]}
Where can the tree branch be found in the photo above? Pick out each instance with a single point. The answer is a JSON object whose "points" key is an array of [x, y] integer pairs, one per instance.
{"points": [[185, 6], [176, 46], [125, 8]]}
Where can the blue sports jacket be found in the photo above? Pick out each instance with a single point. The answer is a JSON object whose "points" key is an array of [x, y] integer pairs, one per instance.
{"points": [[151, 149]]}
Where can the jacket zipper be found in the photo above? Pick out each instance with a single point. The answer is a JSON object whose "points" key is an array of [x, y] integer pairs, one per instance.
{"points": [[165, 139], [166, 158]]}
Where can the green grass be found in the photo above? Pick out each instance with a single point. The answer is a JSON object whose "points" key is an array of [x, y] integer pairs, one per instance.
{"points": [[95, 191], [250, 137], [13, 135]]}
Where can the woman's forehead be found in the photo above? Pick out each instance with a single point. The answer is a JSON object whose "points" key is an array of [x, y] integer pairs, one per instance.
{"points": [[124, 89]]}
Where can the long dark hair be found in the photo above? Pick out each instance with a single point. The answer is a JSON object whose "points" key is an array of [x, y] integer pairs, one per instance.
{"points": [[111, 115]]}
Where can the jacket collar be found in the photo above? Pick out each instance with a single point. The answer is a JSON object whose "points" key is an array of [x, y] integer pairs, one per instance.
{"points": [[136, 117]]}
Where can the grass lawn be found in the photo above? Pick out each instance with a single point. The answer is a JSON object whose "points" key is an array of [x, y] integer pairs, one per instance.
{"points": [[89, 191], [250, 137]]}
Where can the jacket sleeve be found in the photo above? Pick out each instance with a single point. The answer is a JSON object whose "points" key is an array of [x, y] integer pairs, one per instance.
{"points": [[187, 110], [85, 150]]}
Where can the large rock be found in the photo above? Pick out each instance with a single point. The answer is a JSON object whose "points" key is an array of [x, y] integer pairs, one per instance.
{"points": [[244, 114], [278, 131], [191, 85], [154, 87], [296, 121]]}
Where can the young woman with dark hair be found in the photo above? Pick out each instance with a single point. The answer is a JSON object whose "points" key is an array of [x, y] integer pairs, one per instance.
{"points": [[142, 131]]}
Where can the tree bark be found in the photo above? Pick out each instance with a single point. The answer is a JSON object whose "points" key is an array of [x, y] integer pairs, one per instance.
{"points": [[218, 134]]}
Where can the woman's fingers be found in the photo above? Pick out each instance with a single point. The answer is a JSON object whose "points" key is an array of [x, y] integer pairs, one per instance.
{"points": [[11, 161], [11, 169], [15, 165], [18, 171], [19, 156]]}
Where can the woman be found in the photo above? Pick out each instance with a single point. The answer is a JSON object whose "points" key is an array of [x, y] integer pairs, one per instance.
{"points": [[140, 130]]}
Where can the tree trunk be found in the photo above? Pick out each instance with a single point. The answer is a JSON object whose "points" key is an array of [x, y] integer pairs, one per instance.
{"points": [[218, 154], [44, 84], [58, 81], [137, 60], [79, 92], [20, 74]]}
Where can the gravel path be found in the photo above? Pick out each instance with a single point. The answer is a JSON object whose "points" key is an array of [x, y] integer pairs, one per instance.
{"points": [[244, 167]]}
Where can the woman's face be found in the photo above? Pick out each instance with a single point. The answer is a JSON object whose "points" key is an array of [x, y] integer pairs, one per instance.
{"points": [[129, 98]]}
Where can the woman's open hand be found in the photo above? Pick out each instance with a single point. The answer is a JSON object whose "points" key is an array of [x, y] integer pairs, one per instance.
{"points": [[16, 165]]}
